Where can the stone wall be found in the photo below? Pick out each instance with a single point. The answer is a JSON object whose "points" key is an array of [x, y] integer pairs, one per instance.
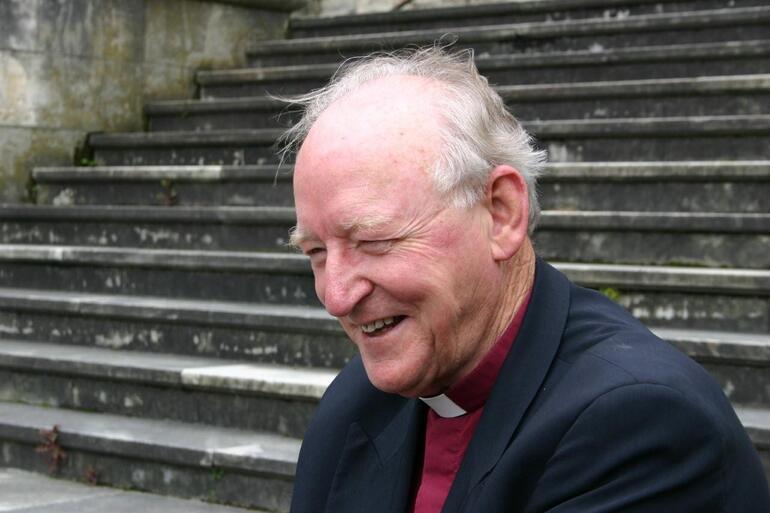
{"points": [[68, 67], [339, 7]]}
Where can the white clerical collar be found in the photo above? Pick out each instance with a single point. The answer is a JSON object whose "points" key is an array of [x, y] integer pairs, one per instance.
{"points": [[444, 406]]}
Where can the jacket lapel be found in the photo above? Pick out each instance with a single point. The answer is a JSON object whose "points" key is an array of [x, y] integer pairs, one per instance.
{"points": [[375, 471], [520, 379]]}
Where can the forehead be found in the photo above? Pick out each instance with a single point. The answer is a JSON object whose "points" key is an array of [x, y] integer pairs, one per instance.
{"points": [[368, 157], [386, 119]]}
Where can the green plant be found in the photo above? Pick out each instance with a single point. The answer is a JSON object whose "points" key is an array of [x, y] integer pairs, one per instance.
{"points": [[91, 476], [51, 447], [169, 195], [31, 190], [217, 473], [610, 292]]}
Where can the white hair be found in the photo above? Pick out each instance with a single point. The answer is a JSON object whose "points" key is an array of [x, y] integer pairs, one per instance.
{"points": [[478, 131]]}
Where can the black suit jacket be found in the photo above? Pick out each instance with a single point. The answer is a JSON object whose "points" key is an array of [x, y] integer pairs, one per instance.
{"points": [[591, 413]]}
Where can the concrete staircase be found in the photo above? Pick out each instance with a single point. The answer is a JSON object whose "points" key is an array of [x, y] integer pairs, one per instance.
{"points": [[150, 310]]}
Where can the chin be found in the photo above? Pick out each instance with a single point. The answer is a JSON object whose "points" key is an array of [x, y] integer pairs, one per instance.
{"points": [[392, 383]]}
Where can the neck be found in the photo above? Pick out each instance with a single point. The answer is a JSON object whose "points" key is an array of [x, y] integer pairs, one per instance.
{"points": [[518, 277]]}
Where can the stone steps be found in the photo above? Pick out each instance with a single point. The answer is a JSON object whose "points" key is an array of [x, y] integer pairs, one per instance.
{"points": [[238, 467], [253, 332], [698, 96], [633, 63], [701, 186], [217, 392], [469, 15], [233, 228], [682, 297], [673, 97], [755, 420], [217, 464], [166, 185], [704, 26], [696, 186], [20, 491], [726, 299], [245, 276], [738, 361], [735, 137], [197, 390], [225, 465], [156, 289], [191, 274], [683, 238]]}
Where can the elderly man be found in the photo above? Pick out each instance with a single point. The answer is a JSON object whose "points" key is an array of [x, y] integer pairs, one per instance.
{"points": [[486, 382]]}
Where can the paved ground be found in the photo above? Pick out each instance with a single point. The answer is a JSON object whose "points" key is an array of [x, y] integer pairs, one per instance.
{"points": [[25, 492]]}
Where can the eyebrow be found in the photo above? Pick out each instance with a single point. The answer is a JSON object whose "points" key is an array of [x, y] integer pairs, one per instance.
{"points": [[298, 235], [368, 222]]}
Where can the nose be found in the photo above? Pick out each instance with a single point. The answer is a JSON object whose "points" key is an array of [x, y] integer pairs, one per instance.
{"points": [[342, 284]]}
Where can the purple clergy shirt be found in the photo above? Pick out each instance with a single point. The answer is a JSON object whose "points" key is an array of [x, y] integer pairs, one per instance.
{"points": [[446, 439]]}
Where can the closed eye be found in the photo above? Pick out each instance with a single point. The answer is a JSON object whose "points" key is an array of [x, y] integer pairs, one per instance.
{"points": [[377, 246], [314, 251]]}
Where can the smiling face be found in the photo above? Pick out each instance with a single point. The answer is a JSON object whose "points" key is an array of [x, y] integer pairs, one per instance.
{"points": [[411, 279]]}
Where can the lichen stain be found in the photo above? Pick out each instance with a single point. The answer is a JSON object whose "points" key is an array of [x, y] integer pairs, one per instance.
{"points": [[138, 477], [261, 350], [7, 454], [156, 337], [168, 476], [728, 388], [18, 94], [24, 148], [204, 342], [299, 293], [132, 401], [66, 197], [156, 235], [11, 329], [114, 340]]}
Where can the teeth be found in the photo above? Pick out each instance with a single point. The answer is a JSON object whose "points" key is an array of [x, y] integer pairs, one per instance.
{"points": [[378, 324]]}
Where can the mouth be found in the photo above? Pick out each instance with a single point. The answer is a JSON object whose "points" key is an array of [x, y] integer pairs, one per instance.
{"points": [[381, 326]]}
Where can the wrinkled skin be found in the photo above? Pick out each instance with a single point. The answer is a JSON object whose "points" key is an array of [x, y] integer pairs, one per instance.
{"points": [[384, 245]]}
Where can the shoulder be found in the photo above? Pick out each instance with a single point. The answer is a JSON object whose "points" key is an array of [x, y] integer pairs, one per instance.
{"points": [[637, 413], [347, 399], [606, 352], [350, 399]]}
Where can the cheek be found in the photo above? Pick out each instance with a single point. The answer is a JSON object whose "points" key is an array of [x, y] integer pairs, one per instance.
{"points": [[319, 283]]}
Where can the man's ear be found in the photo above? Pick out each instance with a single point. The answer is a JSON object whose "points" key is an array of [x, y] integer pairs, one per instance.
{"points": [[508, 203]]}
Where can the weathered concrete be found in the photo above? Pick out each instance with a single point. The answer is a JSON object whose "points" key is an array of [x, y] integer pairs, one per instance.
{"points": [[693, 186], [25, 492], [679, 60], [408, 9], [149, 227], [670, 97], [193, 461], [676, 138], [226, 465], [381, 16], [73, 66], [250, 332], [264, 398], [597, 34], [125, 328], [668, 238]]}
